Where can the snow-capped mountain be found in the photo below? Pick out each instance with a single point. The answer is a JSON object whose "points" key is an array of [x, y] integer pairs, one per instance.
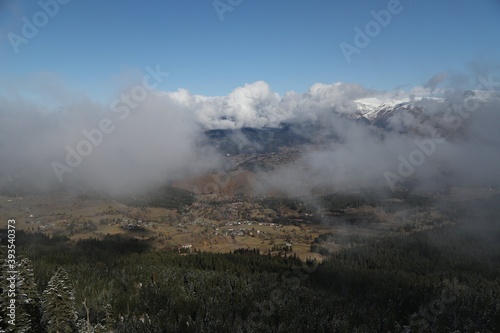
{"points": [[370, 108], [412, 115], [376, 108]]}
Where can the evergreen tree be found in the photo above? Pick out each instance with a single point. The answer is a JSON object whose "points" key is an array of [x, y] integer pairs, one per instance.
{"points": [[100, 329], [59, 311], [83, 326], [25, 295], [4, 296], [28, 310], [108, 320]]}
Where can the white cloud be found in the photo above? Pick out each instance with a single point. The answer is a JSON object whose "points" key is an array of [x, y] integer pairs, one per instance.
{"points": [[162, 137], [256, 105]]}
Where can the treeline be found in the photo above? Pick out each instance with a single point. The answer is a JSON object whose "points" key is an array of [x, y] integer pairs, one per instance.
{"points": [[276, 203], [322, 243], [164, 197], [336, 203]]}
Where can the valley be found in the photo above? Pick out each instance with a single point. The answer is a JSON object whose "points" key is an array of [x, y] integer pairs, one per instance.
{"points": [[222, 223]]}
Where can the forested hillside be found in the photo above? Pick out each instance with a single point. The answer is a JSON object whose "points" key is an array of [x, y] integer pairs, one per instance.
{"points": [[443, 280]]}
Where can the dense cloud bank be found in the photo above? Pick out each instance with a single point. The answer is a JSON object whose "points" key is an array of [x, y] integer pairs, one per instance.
{"points": [[87, 146], [144, 138], [255, 105]]}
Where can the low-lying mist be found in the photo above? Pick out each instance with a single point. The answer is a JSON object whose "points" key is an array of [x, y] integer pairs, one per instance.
{"points": [[86, 147], [433, 137], [427, 154]]}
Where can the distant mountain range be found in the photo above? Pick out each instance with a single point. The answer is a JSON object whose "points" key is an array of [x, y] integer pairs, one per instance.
{"points": [[416, 115]]}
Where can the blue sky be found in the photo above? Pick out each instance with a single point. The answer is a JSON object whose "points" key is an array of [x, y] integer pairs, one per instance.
{"points": [[92, 45]]}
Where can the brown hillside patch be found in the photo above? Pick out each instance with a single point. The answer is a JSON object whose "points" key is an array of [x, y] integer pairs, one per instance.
{"points": [[222, 183]]}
